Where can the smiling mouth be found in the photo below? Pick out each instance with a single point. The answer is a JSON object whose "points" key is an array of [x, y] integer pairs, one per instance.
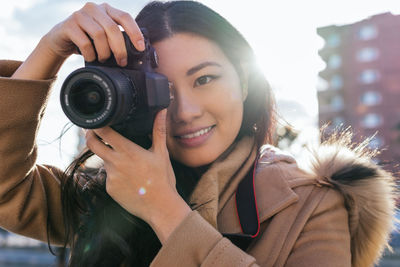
{"points": [[196, 134]]}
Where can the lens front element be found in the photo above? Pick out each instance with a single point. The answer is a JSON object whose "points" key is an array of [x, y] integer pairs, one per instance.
{"points": [[87, 98]]}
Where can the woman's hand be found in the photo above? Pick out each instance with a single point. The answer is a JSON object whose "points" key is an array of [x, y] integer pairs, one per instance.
{"points": [[141, 181], [100, 23]]}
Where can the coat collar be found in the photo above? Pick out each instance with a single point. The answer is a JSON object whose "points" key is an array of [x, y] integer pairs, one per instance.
{"points": [[220, 181], [273, 191], [218, 185]]}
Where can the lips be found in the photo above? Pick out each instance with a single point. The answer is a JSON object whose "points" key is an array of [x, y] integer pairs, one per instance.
{"points": [[196, 134], [186, 133], [194, 137]]}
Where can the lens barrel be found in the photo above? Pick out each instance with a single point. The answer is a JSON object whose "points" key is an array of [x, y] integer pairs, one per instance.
{"points": [[91, 99]]}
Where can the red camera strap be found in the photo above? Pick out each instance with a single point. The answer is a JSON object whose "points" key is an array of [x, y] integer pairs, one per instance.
{"points": [[246, 208]]}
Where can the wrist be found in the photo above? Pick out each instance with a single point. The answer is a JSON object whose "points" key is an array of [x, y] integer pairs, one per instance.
{"points": [[165, 222], [46, 48], [41, 64]]}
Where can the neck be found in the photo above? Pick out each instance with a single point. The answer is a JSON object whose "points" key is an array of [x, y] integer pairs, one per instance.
{"points": [[199, 171]]}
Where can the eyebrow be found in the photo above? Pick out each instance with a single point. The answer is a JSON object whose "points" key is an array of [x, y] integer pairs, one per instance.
{"points": [[200, 66]]}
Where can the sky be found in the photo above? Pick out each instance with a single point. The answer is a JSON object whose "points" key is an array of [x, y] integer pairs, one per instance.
{"points": [[282, 33]]}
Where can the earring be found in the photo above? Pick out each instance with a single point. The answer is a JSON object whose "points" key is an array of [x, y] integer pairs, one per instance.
{"points": [[255, 128]]}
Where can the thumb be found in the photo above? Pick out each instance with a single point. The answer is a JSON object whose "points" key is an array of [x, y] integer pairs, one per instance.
{"points": [[160, 131]]}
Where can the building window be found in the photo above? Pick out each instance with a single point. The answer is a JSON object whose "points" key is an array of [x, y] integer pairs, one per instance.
{"points": [[333, 40], [367, 54], [367, 32], [371, 98], [334, 61], [376, 142], [322, 84], [337, 103], [369, 76], [336, 82], [372, 120]]}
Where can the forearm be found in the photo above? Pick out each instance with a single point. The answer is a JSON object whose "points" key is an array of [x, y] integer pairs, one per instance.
{"points": [[41, 64], [29, 194]]}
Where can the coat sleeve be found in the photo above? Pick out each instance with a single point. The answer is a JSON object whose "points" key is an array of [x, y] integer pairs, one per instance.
{"points": [[196, 243], [30, 202], [323, 240]]}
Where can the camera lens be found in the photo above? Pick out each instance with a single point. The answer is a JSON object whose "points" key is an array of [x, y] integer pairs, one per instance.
{"points": [[94, 97], [87, 97]]}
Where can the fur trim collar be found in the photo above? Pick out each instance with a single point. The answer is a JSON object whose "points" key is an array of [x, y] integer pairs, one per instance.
{"points": [[369, 193]]}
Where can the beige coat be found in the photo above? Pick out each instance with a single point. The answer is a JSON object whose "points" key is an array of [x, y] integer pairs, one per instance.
{"points": [[338, 213]]}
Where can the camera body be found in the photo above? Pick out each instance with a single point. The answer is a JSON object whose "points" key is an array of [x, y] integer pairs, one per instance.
{"points": [[125, 98]]}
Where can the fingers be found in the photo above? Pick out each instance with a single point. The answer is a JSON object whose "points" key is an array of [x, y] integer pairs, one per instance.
{"points": [[113, 34], [98, 35], [101, 22], [118, 142], [98, 147], [160, 132], [128, 23], [81, 40]]}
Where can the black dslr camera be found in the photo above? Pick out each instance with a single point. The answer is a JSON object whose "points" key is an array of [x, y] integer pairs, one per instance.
{"points": [[127, 99]]}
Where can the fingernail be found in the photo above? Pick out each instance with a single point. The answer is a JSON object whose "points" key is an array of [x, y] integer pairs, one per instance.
{"points": [[123, 62], [164, 114], [141, 45]]}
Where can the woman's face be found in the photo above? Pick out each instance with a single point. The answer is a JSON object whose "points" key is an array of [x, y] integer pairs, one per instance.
{"points": [[205, 115]]}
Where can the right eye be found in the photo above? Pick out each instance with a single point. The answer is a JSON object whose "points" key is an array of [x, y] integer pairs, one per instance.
{"points": [[204, 80]]}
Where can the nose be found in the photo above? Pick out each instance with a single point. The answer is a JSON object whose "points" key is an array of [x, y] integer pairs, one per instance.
{"points": [[185, 107]]}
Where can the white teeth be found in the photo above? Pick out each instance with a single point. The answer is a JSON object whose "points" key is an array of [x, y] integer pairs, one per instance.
{"points": [[198, 133]]}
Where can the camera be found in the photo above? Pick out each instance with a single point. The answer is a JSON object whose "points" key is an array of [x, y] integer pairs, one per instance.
{"points": [[125, 98]]}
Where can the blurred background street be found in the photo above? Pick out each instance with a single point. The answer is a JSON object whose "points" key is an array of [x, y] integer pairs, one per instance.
{"points": [[328, 62]]}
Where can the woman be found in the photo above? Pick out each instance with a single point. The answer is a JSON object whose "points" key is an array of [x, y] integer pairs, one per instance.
{"points": [[168, 205]]}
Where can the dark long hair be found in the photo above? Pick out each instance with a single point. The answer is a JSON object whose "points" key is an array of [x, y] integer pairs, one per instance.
{"points": [[100, 232]]}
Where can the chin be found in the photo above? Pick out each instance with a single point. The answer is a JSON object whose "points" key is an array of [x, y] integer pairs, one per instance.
{"points": [[196, 160]]}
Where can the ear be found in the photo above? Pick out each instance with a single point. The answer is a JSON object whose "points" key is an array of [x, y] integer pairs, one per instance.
{"points": [[244, 79]]}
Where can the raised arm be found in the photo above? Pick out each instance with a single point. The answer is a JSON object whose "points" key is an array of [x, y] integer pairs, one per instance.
{"points": [[100, 23], [30, 194]]}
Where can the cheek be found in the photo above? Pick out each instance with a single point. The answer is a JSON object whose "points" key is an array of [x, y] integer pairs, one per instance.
{"points": [[221, 105], [230, 117], [228, 104]]}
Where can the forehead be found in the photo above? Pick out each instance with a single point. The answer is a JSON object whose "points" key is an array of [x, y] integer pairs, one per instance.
{"points": [[184, 50]]}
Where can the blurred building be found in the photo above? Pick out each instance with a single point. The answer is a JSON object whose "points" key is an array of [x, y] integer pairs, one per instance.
{"points": [[361, 82]]}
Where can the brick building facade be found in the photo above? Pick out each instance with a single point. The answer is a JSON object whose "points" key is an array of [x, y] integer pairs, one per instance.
{"points": [[362, 82]]}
